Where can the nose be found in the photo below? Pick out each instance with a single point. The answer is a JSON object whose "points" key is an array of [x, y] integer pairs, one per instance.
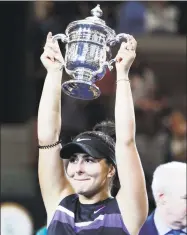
{"points": [[79, 167]]}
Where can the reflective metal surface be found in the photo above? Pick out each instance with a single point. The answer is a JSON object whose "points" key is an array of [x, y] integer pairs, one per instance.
{"points": [[87, 43]]}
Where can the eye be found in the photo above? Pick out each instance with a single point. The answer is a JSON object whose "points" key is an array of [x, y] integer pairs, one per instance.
{"points": [[89, 160], [73, 159]]}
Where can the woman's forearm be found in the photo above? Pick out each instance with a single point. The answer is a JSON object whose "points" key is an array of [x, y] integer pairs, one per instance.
{"points": [[49, 113], [124, 110]]}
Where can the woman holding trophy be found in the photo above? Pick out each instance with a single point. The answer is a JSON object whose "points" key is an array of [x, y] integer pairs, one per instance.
{"points": [[76, 190]]}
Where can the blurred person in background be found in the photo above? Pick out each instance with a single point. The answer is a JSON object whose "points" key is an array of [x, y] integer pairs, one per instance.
{"points": [[147, 97], [144, 85], [15, 219], [76, 191], [161, 17], [131, 17], [176, 125], [150, 105], [169, 191], [145, 89], [140, 18]]}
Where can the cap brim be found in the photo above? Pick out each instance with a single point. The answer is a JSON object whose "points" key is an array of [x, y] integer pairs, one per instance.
{"points": [[69, 149]]}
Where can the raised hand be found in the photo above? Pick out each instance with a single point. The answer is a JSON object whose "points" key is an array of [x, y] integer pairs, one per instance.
{"points": [[52, 58], [126, 55]]}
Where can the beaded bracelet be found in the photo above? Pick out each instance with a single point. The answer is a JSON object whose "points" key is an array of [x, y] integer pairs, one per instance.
{"points": [[50, 145], [122, 80]]}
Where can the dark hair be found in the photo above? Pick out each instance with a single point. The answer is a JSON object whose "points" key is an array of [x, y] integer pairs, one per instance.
{"points": [[105, 131], [107, 127]]}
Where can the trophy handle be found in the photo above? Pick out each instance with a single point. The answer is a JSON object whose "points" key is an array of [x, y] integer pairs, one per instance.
{"points": [[64, 39], [60, 36], [113, 42], [99, 74], [117, 39]]}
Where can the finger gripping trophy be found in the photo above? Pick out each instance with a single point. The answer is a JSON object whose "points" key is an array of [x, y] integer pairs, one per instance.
{"points": [[88, 42]]}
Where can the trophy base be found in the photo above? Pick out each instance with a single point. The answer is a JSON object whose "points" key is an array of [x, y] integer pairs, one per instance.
{"points": [[80, 89]]}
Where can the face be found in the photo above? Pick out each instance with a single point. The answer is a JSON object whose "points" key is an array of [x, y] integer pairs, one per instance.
{"points": [[173, 203], [88, 175]]}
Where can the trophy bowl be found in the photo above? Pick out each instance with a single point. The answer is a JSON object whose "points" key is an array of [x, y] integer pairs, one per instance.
{"points": [[88, 44]]}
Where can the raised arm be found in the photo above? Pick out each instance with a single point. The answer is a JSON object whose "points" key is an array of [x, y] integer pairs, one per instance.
{"points": [[53, 182], [132, 196]]}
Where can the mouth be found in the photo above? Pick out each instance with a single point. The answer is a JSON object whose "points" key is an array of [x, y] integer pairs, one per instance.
{"points": [[81, 179], [178, 223]]}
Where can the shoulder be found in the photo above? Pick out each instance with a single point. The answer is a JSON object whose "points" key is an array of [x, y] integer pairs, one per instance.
{"points": [[150, 218], [113, 214], [70, 201], [149, 226], [112, 206], [66, 206]]}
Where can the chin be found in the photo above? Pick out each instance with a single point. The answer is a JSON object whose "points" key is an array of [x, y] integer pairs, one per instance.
{"points": [[81, 192], [85, 192], [80, 189]]}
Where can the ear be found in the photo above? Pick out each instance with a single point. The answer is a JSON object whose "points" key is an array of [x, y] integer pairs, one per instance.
{"points": [[111, 171], [161, 199]]}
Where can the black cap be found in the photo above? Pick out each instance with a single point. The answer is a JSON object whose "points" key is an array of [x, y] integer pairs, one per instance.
{"points": [[91, 145]]}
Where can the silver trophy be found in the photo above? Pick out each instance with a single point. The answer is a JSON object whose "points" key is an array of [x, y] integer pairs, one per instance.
{"points": [[88, 44]]}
